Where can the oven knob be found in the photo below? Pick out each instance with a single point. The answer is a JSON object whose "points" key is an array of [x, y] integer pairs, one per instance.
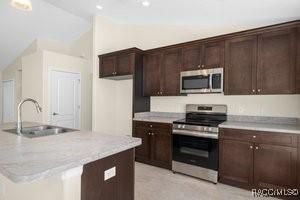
{"points": [[183, 126], [179, 126]]}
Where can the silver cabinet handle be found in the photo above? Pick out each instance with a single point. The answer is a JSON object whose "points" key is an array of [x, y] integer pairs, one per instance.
{"points": [[256, 148], [251, 147], [259, 90], [253, 91], [254, 136], [199, 66], [202, 66]]}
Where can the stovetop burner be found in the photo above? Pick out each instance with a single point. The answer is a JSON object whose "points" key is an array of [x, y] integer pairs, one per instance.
{"points": [[203, 122]]}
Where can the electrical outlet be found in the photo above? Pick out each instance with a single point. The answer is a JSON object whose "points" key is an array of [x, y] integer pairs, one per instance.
{"points": [[108, 174]]}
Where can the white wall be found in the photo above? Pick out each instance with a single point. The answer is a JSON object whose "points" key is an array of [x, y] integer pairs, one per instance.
{"points": [[110, 96]]}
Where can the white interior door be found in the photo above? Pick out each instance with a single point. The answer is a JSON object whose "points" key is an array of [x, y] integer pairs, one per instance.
{"points": [[65, 99], [8, 101]]}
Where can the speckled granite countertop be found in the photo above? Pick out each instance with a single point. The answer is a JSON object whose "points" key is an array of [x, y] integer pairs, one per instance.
{"points": [[256, 123], [162, 117], [24, 160], [261, 123]]}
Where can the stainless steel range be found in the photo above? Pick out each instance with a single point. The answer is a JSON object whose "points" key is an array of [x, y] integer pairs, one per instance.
{"points": [[195, 141]]}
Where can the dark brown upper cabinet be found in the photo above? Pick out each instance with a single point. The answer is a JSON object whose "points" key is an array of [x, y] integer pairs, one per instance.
{"points": [[191, 57], [152, 78], [240, 65], [276, 62], [213, 54], [107, 66], [162, 73], [125, 64], [170, 70], [203, 56], [298, 62], [118, 64]]}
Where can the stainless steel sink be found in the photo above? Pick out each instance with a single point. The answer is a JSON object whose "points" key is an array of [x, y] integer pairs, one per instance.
{"points": [[39, 131]]}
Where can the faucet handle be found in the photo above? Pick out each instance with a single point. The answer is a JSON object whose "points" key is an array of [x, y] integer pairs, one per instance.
{"points": [[55, 113]]}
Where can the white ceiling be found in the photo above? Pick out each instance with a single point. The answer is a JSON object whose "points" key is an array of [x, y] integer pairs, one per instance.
{"points": [[183, 12], [19, 29], [50, 20]]}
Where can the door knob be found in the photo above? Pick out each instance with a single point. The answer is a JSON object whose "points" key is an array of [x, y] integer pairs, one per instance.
{"points": [[55, 113]]}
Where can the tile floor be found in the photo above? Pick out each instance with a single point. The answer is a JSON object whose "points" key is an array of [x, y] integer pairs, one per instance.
{"points": [[154, 183]]}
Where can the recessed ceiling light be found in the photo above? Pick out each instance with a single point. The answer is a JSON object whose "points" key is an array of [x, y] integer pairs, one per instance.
{"points": [[146, 3], [24, 5], [99, 7]]}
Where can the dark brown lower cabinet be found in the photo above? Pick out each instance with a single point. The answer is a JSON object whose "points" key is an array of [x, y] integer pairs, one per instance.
{"points": [[298, 167], [275, 166], [236, 158], [119, 187], [156, 148], [252, 159]]}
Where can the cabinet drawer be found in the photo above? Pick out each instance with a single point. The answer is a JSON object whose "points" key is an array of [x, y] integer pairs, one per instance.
{"points": [[282, 139], [236, 134], [153, 125]]}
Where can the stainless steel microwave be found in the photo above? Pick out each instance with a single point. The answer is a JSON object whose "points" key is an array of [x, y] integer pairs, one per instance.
{"points": [[202, 81]]}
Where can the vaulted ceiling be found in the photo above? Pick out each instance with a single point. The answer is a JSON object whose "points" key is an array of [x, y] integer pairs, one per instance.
{"points": [[182, 12], [66, 20], [18, 29]]}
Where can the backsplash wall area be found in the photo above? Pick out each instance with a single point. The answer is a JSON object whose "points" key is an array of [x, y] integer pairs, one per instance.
{"points": [[263, 105]]}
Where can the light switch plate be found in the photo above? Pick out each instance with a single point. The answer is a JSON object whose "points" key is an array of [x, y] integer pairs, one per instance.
{"points": [[108, 174]]}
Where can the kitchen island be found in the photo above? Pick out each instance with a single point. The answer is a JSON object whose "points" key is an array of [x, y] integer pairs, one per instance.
{"points": [[64, 166]]}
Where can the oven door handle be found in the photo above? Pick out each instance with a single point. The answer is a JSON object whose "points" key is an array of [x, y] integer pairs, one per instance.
{"points": [[195, 133]]}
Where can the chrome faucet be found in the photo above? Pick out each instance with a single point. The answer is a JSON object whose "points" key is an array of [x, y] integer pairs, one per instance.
{"points": [[19, 122]]}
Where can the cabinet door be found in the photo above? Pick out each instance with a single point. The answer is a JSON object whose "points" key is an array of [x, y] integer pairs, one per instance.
{"points": [[107, 66], [93, 185], [161, 148], [152, 63], [213, 55], [240, 66], [276, 62], [275, 166], [298, 62], [125, 63], [171, 72], [125, 172], [236, 162], [143, 151], [191, 57]]}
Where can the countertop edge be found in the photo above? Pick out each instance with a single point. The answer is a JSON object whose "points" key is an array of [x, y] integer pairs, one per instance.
{"points": [[58, 170], [265, 129]]}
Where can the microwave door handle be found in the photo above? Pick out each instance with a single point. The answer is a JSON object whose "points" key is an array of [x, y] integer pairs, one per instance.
{"points": [[210, 82]]}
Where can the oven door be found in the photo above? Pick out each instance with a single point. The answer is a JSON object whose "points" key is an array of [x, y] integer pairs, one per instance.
{"points": [[197, 151]]}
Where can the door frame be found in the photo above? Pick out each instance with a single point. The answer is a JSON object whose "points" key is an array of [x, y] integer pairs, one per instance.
{"points": [[13, 82], [79, 92]]}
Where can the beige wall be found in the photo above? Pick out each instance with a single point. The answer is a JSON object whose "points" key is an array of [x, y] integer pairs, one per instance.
{"points": [[36, 84], [82, 48], [13, 71], [33, 86], [115, 117], [53, 188], [60, 62]]}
